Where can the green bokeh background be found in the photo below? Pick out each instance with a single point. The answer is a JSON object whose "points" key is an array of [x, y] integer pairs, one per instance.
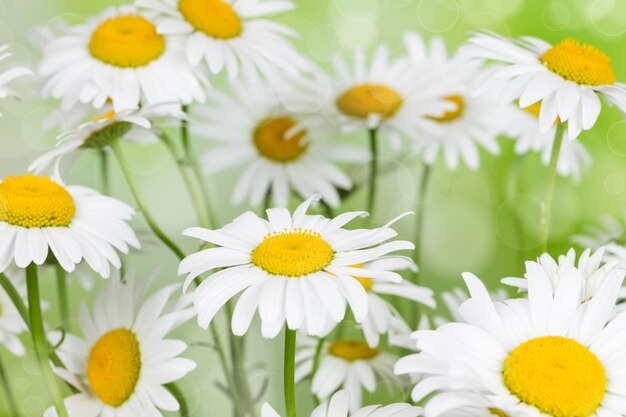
{"points": [[471, 225]]}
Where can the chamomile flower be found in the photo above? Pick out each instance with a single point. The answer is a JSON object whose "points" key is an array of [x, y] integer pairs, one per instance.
{"points": [[75, 223], [471, 122], [348, 364], [11, 322], [10, 74], [294, 268], [118, 56], [384, 94], [230, 35], [338, 406], [135, 125], [522, 125], [549, 355], [123, 360], [568, 78], [253, 130], [610, 235]]}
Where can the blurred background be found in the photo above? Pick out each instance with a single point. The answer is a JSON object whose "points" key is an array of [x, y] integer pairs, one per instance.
{"points": [[471, 222]]}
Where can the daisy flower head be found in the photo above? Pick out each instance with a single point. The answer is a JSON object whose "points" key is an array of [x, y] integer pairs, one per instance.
{"points": [[347, 364], [568, 78], [338, 406], [610, 235], [118, 56], [522, 125], [231, 35], [294, 268], [546, 355], [39, 214], [10, 74], [11, 322], [381, 94], [123, 361], [254, 130], [471, 122], [135, 125]]}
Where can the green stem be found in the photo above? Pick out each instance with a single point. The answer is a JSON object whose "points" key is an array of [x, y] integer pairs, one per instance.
{"points": [[6, 385], [289, 372], [373, 170], [104, 172], [183, 411], [62, 296], [142, 206], [239, 367], [550, 183], [188, 177], [192, 158], [229, 378], [39, 338], [316, 364]]}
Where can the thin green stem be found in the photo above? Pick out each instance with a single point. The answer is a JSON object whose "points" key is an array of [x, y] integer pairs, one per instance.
{"points": [[104, 172], [183, 409], [373, 133], [229, 378], [142, 206], [316, 364], [289, 372], [64, 310], [550, 183], [239, 367], [8, 392], [39, 338], [188, 177]]}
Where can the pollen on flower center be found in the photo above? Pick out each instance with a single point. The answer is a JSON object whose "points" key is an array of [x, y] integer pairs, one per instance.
{"points": [[365, 99], [352, 350], [581, 63], [31, 201], [451, 115], [114, 366], [128, 41], [214, 18], [269, 139], [557, 375], [293, 254]]}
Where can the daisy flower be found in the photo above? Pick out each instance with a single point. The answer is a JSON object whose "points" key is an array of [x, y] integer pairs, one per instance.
{"points": [[548, 355], [230, 35], [294, 268], [255, 131], [135, 125], [383, 95], [11, 322], [338, 406], [470, 123], [348, 364], [75, 223], [609, 234], [9, 75], [522, 125], [568, 78], [121, 365], [118, 56]]}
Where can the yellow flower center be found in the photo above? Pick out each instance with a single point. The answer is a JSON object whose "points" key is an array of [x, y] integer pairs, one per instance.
{"points": [[128, 41], [293, 254], [557, 375], [104, 116], [114, 366], [365, 282], [451, 115], [352, 350], [581, 63], [365, 99], [533, 109], [269, 139], [497, 412], [214, 18], [30, 201]]}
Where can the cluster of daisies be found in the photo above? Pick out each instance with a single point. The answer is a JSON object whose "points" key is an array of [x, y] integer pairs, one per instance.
{"points": [[347, 299]]}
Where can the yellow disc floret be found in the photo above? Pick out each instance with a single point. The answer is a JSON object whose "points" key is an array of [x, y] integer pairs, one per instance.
{"points": [[293, 254], [581, 63], [214, 18], [114, 366], [128, 41], [365, 99], [31, 201], [451, 115], [270, 140], [497, 412], [352, 350], [364, 281], [557, 375]]}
